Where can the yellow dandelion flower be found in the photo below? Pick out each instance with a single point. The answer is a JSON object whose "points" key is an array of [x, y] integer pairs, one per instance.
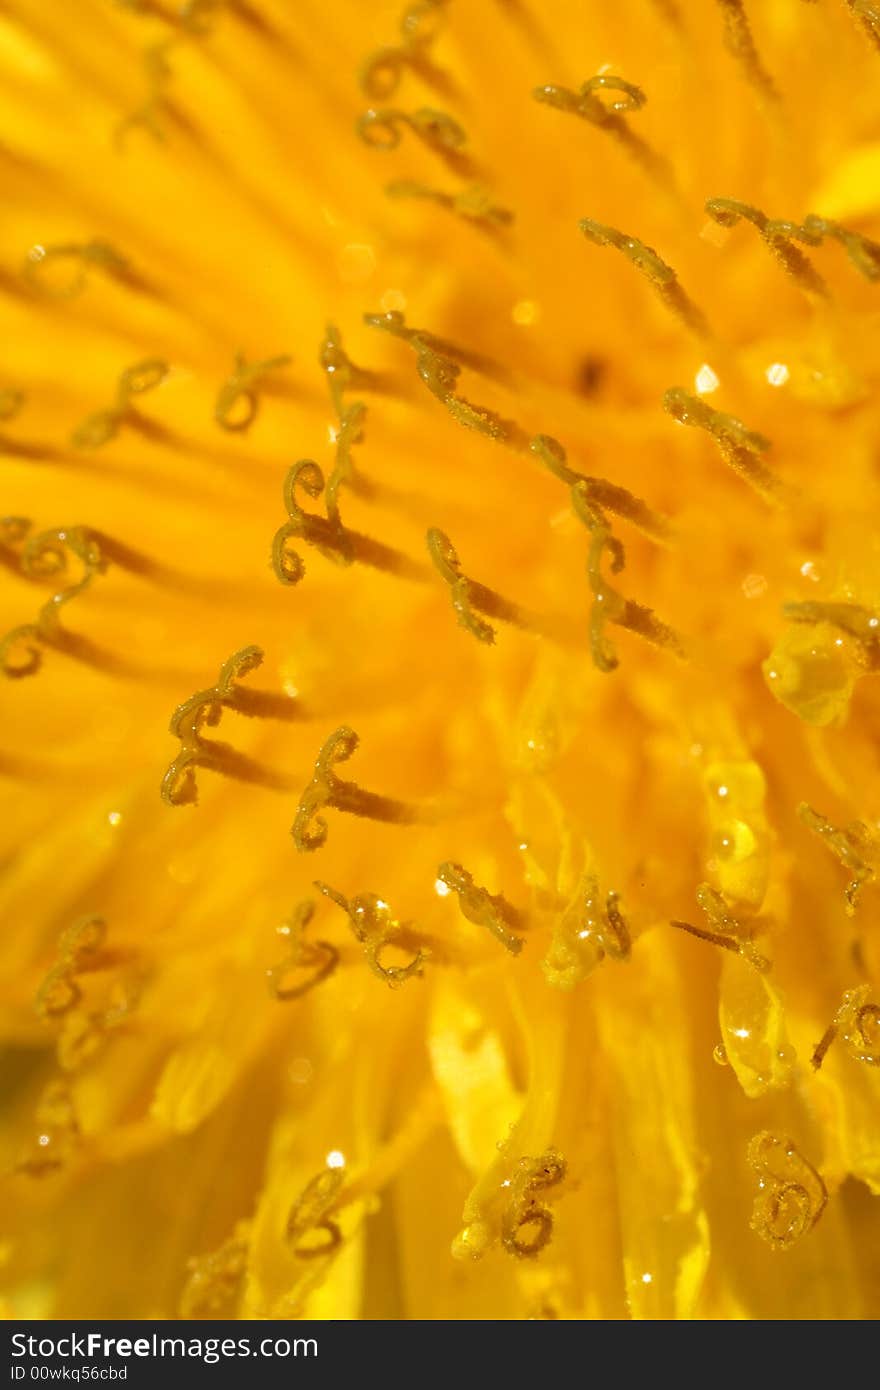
{"points": [[460, 421]]}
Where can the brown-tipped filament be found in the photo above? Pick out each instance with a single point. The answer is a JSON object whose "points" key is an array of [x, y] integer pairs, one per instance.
{"points": [[725, 930]]}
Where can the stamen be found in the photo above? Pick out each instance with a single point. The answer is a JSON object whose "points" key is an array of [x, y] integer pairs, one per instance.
{"points": [[586, 102], [334, 541], [83, 1032], [526, 1224], [215, 1280], [861, 623], [791, 1194], [607, 926], [319, 957], [104, 425], [853, 845], [608, 605], [864, 254], [310, 1217], [205, 710], [44, 557], [58, 1132], [394, 322], [584, 934], [23, 639], [609, 116], [11, 402], [376, 929], [445, 558], [858, 1024], [484, 909], [728, 943], [473, 204], [740, 44], [600, 492], [237, 400], [326, 536], [381, 73], [469, 595], [42, 262], [341, 372], [553, 456], [660, 275], [78, 947], [440, 374], [778, 236], [381, 130], [309, 828], [350, 432], [823, 1045], [198, 16], [13, 531], [739, 447], [341, 375], [726, 930], [149, 116], [868, 13], [860, 1027]]}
